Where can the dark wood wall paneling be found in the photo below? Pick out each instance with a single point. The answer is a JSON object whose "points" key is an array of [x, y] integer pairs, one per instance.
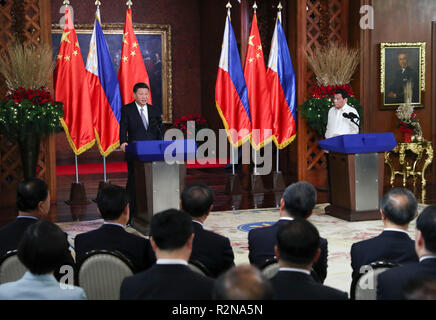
{"points": [[395, 21]]}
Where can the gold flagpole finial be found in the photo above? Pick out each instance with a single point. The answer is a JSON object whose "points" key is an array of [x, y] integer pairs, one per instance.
{"points": [[255, 6], [129, 4], [228, 6], [280, 6], [66, 2], [98, 3]]}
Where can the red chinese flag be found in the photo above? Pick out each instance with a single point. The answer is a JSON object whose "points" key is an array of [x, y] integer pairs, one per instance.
{"points": [[258, 93], [132, 69], [72, 89]]}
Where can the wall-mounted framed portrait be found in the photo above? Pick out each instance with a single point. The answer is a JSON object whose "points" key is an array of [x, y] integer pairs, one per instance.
{"points": [[155, 43], [400, 64]]}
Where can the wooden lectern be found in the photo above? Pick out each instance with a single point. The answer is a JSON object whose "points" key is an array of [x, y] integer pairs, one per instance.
{"points": [[160, 171], [357, 174]]}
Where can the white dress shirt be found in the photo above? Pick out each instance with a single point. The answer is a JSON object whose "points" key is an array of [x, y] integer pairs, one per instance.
{"points": [[145, 108], [337, 125]]}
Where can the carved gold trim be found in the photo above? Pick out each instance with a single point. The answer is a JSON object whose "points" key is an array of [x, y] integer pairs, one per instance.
{"points": [[420, 45], [164, 30]]}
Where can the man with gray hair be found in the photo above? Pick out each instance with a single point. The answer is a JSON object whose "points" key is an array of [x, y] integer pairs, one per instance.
{"points": [[243, 282], [397, 209], [297, 201]]}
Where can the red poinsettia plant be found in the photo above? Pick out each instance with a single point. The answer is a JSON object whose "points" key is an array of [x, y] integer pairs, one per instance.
{"points": [[182, 123], [36, 96], [329, 91]]}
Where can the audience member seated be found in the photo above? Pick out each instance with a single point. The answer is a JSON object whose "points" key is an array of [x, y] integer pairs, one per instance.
{"points": [[113, 205], [243, 282], [297, 249], [33, 203], [398, 209], [210, 248], [42, 249], [171, 237], [391, 282], [298, 200], [422, 288]]}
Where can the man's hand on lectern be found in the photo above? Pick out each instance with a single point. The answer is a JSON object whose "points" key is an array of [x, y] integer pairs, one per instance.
{"points": [[123, 146]]}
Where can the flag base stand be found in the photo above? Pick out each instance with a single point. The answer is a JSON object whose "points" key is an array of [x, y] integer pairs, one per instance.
{"points": [[77, 195], [278, 181], [256, 183], [102, 185], [233, 185]]}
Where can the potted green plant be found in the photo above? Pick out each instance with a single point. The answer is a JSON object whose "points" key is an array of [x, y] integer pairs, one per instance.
{"points": [[28, 112]]}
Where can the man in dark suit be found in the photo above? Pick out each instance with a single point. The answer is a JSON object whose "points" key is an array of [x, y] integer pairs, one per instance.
{"points": [[403, 75], [298, 200], [33, 203], [139, 121], [391, 282], [171, 236], [243, 282], [211, 249], [398, 209], [297, 248], [112, 202]]}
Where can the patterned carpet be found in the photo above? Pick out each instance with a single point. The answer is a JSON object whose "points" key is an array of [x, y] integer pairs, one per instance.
{"points": [[236, 224]]}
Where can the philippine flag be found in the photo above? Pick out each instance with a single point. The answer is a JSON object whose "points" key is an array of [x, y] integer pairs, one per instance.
{"points": [[281, 78], [231, 94], [104, 90]]}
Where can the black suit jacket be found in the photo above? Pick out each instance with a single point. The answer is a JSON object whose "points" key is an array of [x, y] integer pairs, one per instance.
{"points": [[212, 249], [293, 285], [393, 246], [11, 234], [113, 237], [167, 282], [390, 283], [400, 80], [10, 237], [261, 242], [132, 128]]}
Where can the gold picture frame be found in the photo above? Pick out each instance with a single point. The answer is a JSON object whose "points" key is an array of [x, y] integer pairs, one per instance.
{"points": [[152, 38], [400, 63]]}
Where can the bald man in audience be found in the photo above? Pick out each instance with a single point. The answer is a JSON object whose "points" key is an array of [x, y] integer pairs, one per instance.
{"points": [[390, 283], [211, 249], [298, 201], [297, 249], [243, 282], [398, 208]]}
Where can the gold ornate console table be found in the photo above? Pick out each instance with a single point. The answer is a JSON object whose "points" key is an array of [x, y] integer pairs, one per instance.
{"points": [[423, 152]]}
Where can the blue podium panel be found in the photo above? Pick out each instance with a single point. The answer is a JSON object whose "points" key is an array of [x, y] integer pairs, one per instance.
{"points": [[360, 143], [161, 150]]}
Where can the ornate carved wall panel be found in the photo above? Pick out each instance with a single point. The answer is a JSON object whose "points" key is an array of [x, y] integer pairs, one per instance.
{"points": [[22, 19], [319, 22]]}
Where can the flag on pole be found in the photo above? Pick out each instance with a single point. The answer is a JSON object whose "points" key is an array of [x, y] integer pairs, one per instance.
{"points": [[104, 90], [132, 69], [281, 79], [231, 94], [258, 91], [73, 91]]}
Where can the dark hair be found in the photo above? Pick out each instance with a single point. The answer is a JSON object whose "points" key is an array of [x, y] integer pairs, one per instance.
{"points": [[171, 229], [342, 92], [300, 199], [298, 241], [421, 288], [197, 199], [140, 85], [30, 192], [242, 282], [426, 223], [43, 247], [399, 205], [111, 201]]}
